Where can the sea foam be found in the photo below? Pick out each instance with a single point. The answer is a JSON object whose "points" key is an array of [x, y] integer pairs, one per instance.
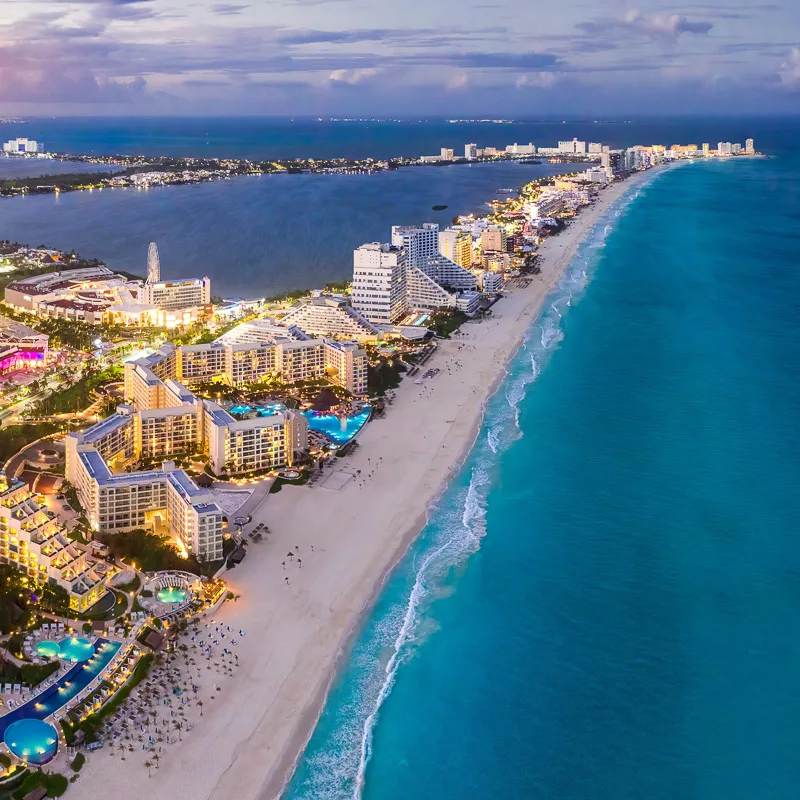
{"points": [[335, 764]]}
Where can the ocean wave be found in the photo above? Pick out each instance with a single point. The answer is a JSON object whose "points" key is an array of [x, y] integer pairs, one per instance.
{"points": [[335, 766], [458, 543]]}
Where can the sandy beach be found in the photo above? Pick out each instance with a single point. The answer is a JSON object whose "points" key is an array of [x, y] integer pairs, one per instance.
{"points": [[345, 534]]}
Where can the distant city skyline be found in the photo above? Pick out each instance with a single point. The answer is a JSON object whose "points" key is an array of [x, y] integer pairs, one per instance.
{"points": [[337, 57]]}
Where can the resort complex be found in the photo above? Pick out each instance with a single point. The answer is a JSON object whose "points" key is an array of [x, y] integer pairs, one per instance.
{"points": [[96, 295], [151, 429]]}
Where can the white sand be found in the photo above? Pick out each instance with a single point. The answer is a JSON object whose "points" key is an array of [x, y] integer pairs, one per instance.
{"points": [[247, 742]]}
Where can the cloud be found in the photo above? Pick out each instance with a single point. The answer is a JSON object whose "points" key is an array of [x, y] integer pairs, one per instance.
{"points": [[458, 83], [538, 80], [228, 9], [57, 87], [350, 77], [665, 28], [789, 72]]}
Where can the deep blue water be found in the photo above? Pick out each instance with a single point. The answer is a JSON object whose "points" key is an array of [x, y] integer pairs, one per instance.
{"points": [[604, 605], [274, 137], [16, 167], [265, 235], [256, 235]]}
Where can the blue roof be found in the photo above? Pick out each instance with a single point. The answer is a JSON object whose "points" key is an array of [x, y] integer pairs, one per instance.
{"points": [[106, 426], [98, 469]]}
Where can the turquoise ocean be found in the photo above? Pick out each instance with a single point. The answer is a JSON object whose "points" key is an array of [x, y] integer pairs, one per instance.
{"points": [[605, 603]]}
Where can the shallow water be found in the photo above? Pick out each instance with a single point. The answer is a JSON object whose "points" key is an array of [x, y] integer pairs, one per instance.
{"points": [[603, 605]]}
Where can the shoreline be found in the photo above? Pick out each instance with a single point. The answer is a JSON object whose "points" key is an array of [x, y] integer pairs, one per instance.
{"points": [[284, 770], [189, 171], [298, 633]]}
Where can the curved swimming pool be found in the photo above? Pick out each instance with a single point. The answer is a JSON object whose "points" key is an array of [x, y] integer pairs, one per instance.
{"points": [[47, 649], [32, 740], [76, 648], [340, 430]]}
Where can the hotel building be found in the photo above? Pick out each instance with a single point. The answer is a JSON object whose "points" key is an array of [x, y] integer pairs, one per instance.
{"points": [[494, 238], [96, 295], [421, 245], [187, 293], [34, 542], [22, 146], [379, 277], [409, 274], [456, 245], [162, 419], [322, 315]]}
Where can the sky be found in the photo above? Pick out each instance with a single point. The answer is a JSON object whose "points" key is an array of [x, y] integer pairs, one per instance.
{"points": [[520, 58]]}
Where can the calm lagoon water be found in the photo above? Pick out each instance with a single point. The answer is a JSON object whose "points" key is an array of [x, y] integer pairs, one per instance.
{"points": [[256, 235]]}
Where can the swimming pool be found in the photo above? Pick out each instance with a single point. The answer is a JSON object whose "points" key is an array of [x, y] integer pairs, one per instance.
{"points": [[171, 595], [32, 740], [76, 648], [48, 649], [340, 430], [61, 692]]}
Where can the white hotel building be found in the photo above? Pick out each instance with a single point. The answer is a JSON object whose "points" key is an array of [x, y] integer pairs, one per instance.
{"points": [[410, 274], [183, 293], [379, 280], [20, 146], [326, 315]]}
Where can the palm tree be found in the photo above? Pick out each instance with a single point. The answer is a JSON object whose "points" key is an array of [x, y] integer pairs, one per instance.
{"points": [[200, 703], [149, 765]]}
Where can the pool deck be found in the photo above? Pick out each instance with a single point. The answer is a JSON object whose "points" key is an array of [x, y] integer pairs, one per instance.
{"points": [[38, 707]]}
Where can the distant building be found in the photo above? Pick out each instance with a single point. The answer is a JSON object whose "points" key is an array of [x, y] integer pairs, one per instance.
{"points": [[521, 149], [457, 246], [21, 146], [749, 146], [573, 147], [153, 264], [179, 293], [725, 149], [470, 151], [706, 149], [596, 176], [446, 154], [494, 238]]}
